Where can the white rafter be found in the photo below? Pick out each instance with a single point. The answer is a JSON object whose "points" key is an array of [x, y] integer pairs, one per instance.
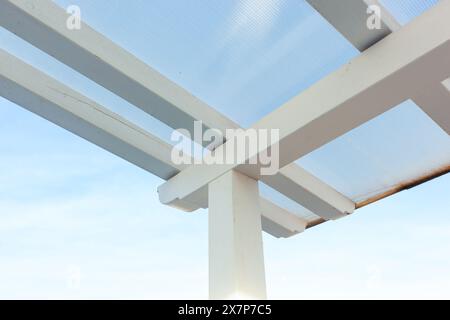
{"points": [[350, 18], [411, 62], [434, 100], [43, 24], [52, 100], [383, 76]]}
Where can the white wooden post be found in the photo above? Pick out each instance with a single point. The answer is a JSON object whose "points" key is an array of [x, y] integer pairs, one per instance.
{"points": [[236, 259]]}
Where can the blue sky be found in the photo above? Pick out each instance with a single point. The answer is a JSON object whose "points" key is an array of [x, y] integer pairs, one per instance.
{"points": [[77, 222]]}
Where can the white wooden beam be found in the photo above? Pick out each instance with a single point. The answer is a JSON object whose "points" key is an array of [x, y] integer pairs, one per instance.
{"points": [[50, 99], [236, 258], [43, 24], [382, 77], [434, 100], [291, 181], [350, 18], [280, 222], [313, 194]]}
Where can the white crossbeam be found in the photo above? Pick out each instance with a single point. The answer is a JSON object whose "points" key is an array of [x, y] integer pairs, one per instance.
{"points": [[50, 99], [43, 24], [291, 181], [46, 97], [382, 77], [350, 18], [434, 100]]}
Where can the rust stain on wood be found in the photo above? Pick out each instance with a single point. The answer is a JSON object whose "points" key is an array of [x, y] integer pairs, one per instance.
{"points": [[405, 186], [396, 189], [315, 223]]}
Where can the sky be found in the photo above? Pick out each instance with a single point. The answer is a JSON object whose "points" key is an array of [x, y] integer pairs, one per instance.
{"points": [[77, 222]]}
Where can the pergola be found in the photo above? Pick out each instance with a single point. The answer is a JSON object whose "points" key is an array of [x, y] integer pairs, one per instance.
{"points": [[396, 64]]}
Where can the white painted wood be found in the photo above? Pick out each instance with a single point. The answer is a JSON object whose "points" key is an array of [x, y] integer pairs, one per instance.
{"points": [[291, 181], [316, 196], [236, 259], [387, 18], [382, 77], [43, 24], [349, 20], [50, 99], [350, 17], [434, 100], [291, 224]]}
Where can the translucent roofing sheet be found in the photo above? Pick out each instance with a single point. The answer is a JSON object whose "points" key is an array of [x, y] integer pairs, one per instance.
{"points": [[244, 58], [406, 10], [396, 147]]}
